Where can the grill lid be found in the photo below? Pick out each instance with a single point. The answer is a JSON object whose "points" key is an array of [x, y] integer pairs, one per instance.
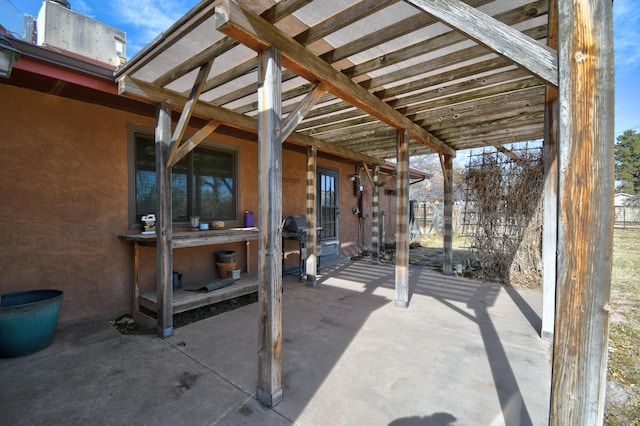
{"points": [[295, 223]]}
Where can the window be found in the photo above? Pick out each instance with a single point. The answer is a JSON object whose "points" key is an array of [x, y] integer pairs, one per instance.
{"points": [[204, 183]]}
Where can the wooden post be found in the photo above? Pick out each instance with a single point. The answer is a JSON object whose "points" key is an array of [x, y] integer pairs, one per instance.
{"points": [[375, 214], [447, 261], [550, 212], [402, 219], [550, 217], [585, 222], [164, 254], [311, 266], [269, 390]]}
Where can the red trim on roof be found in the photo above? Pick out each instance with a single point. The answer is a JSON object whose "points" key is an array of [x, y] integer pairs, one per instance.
{"points": [[41, 68]]}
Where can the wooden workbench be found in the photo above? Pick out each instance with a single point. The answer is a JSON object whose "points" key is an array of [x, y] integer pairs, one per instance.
{"points": [[185, 300]]}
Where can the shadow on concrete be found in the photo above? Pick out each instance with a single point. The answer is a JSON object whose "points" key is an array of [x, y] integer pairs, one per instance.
{"points": [[436, 419], [349, 357], [478, 296], [531, 315]]}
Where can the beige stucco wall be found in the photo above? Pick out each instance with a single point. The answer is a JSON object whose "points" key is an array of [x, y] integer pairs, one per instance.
{"points": [[64, 200], [63, 192]]}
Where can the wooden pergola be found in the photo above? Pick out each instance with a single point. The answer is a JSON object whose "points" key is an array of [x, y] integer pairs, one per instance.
{"points": [[377, 79]]}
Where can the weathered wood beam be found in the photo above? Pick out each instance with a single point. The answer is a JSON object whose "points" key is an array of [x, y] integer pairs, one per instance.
{"points": [[377, 84], [295, 117], [517, 98], [273, 14], [164, 223], [460, 122], [375, 213], [311, 261], [504, 120], [442, 114], [146, 92], [538, 58], [510, 154], [446, 39], [257, 34], [504, 126], [195, 140], [492, 126], [269, 389], [550, 194], [302, 90], [465, 91], [516, 135], [402, 220], [187, 110], [585, 223], [390, 32], [447, 257], [334, 23]]}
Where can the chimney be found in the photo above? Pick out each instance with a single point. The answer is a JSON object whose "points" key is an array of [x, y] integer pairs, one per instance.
{"points": [[61, 28]]}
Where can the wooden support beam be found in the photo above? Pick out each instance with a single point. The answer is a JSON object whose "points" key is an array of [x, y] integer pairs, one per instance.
{"points": [[164, 223], [194, 141], [536, 57], [550, 194], [402, 220], [273, 14], [375, 214], [443, 167], [146, 92], [585, 210], [295, 117], [269, 389], [258, 34], [550, 217], [509, 153], [187, 111], [447, 170], [311, 266]]}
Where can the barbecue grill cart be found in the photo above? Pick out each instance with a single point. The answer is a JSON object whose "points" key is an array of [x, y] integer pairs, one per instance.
{"points": [[295, 228]]}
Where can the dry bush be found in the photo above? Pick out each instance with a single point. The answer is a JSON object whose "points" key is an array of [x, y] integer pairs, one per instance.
{"points": [[503, 215]]}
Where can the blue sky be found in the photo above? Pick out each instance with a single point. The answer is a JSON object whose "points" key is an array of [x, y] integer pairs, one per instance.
{"points": [[143, 20]]}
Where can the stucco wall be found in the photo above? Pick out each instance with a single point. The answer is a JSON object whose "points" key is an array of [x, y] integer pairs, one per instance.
{"points": [[64, 200], [64, 181]]}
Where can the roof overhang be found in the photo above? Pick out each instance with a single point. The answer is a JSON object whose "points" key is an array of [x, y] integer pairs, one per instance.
{"points": [[376, 67]]}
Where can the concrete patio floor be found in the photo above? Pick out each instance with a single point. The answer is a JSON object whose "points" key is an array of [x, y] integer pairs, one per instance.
{"points": [[463, 353]]}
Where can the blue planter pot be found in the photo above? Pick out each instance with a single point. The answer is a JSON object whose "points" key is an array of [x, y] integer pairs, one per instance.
{"points": [[28, 321]]}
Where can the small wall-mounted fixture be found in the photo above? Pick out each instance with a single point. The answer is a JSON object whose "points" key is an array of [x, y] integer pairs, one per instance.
{"points": [[8, 54], [357, 185]]}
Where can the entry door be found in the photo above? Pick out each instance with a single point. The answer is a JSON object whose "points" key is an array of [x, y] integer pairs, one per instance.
{"points": [[328, 212]]}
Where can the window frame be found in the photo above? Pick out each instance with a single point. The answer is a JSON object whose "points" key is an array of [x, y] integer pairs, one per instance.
{"points": [[133, 132]]}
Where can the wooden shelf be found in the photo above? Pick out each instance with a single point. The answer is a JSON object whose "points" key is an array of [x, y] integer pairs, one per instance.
{"points": [[184, 300], [197, 238]]}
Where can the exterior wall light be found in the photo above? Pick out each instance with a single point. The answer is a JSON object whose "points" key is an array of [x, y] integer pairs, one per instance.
{"points": [[7, 55]]}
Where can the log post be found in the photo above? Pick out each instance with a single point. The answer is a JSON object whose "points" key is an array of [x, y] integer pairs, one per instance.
{"points": [[164, 254], [550, 193], [269, 390], [402, 219], [311, 266], [585, 222], [447, 260], [375, 216]]}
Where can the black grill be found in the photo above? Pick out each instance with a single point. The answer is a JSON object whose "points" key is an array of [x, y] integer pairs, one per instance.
{"points": [[295, 228]]}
